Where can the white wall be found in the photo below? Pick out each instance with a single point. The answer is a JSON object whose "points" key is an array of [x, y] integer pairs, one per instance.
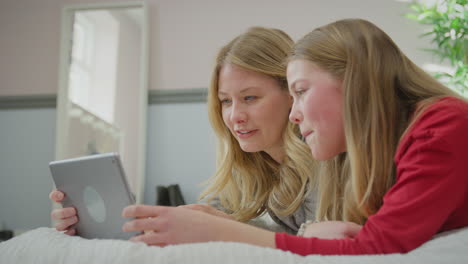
{"points": [[189, 33], [184, 35]]}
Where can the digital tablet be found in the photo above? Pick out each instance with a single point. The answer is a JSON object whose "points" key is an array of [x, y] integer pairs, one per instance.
{"points": [[96, 186]]}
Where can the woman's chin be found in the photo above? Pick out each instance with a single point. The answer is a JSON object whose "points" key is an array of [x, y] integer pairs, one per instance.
{"points": [[250, 149]]}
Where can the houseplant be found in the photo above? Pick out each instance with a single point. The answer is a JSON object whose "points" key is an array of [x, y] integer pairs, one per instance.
{"points": [[448, 24]]}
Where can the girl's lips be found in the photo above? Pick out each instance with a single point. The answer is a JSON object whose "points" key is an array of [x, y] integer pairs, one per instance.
{"points": [[307, 134], [245, 135]]}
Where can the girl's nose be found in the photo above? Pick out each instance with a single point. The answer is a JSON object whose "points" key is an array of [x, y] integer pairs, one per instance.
{"points": [[295, 116]]}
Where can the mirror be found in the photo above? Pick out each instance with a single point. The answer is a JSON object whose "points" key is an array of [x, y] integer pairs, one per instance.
{"points": [[102, 98]]}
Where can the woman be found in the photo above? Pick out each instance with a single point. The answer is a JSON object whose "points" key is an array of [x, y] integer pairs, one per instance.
{"points": [[392, 144], [262, 164], [248, 106]]}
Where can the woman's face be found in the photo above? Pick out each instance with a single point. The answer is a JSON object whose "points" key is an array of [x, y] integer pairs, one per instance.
{"points": [[255, 109], [317, 108]]}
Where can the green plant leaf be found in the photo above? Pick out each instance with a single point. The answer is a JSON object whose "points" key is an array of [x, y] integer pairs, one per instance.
{"points": [[425, 16], [411, 16], [455, 24], [448, 20]]}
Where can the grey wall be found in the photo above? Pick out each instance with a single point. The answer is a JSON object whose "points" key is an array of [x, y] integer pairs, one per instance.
{"points": [[27, 140], [180, 150]]}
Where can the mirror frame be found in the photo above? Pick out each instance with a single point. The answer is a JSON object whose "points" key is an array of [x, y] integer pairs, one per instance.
{"points": [[63, 105]]}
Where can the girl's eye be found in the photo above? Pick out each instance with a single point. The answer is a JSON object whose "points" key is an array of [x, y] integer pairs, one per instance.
{"points": [[250, 98], [300, 92]]}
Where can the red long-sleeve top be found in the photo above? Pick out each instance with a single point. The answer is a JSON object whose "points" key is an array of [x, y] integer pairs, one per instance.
{"points": [[430, 194]]}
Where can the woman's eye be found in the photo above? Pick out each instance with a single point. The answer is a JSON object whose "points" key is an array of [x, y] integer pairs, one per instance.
{"points": [[250, 98], [225, 101]]}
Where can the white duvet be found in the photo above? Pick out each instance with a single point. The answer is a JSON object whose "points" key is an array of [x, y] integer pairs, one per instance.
{"points": [[45, 245]]}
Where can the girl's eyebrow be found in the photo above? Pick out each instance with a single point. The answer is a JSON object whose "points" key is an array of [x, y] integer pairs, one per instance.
{"points": [[293, 84], [291, 87]]}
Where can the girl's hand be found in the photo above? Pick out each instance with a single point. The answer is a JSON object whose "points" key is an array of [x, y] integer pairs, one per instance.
{"points": [[332, 230]]}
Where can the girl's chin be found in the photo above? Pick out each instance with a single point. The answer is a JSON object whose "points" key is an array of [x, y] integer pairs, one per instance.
{"points": [[323, 156]]}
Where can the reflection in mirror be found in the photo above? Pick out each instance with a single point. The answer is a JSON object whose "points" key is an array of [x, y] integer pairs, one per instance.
{"points": [[102, 98]]}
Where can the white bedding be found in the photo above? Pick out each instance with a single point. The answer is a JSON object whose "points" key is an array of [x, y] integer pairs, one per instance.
{"points": [[45, 245]]}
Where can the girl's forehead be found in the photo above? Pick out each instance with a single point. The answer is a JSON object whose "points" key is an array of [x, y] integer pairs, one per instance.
{"points": [[299, 69]]}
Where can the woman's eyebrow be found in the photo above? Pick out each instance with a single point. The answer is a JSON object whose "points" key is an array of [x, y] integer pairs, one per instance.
{"points": [[240, 92]]}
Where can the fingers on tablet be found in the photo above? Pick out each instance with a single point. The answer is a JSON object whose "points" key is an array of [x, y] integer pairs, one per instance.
{"points": [[66, 223], [63, 213], [56, 196], [71, 232]]}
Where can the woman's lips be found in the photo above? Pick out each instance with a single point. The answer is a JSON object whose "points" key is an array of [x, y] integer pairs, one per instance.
{"points": [[243, 134]]}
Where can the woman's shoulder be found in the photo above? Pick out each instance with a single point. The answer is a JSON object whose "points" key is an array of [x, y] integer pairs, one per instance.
{"points": [[306, 211]]}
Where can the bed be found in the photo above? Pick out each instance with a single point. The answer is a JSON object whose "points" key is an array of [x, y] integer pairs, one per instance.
{"points": [[45, 245]]}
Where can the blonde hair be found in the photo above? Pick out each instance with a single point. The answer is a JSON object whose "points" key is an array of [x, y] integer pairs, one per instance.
{"points": [[248, 183], [382, 90]]}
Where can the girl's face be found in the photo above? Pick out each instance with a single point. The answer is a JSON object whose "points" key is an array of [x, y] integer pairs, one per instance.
{"points": [[317, 108], [255, 109]]}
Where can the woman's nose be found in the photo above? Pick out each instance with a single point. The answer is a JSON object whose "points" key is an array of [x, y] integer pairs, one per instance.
{"points": [[238, 114]]}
